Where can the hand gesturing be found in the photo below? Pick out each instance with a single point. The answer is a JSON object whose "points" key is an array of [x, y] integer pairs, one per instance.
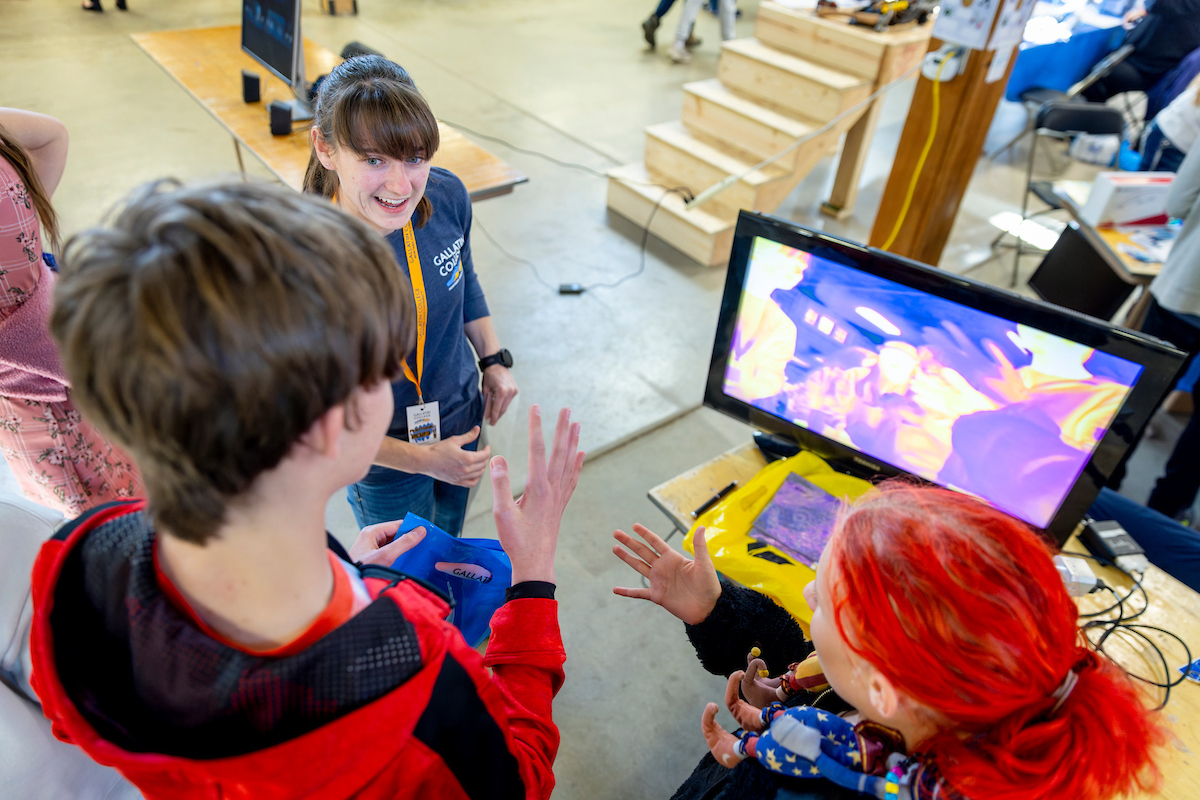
{"points": [[688, 588]]}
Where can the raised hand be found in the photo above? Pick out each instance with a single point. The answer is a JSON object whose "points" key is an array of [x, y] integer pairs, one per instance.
{"points": [[528, 527], [688, 588], [375, 544]]}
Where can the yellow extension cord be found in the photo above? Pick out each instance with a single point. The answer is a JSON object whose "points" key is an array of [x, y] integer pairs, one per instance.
{"points": [[912, 185]]}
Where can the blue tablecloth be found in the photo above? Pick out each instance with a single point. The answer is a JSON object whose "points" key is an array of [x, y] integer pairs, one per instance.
{"points": [[1060, 64]]}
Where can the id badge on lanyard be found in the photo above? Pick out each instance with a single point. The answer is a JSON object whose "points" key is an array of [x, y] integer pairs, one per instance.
{"points": [[424, 419]]}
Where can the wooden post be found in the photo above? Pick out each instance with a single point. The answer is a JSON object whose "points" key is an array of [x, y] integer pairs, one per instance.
{"points": [[967, 103], [340, 7], [899, 56]]}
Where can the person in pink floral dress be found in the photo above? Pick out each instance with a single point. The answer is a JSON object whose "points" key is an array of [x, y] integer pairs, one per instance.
{"points": [[58, 459]]}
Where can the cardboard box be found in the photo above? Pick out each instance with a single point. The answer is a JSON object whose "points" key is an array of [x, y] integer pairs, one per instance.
{"points": [[1128, 198]]}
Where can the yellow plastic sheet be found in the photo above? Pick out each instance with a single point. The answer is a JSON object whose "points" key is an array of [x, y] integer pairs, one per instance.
{"points": [[767, 569]]}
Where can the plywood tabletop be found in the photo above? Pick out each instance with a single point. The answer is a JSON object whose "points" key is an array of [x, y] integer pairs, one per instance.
{"points": [[208, 64], [683, 494]]}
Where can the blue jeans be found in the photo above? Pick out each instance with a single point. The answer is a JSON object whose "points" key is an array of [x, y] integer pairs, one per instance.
{"points": [[391, 494], [665, 5], [1173, 548], [1158, 154]]}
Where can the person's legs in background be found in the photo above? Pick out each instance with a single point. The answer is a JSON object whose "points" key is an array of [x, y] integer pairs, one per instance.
{"points": [[1173, 548], [449, 507], [728, 13], [1158, 154], [1175, 491], [390, 496], [679, 53], [1174, 329], [651, 23], [1124, 77]]}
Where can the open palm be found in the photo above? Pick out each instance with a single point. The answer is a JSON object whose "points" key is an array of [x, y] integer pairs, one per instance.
{"points": [[688, 588]]}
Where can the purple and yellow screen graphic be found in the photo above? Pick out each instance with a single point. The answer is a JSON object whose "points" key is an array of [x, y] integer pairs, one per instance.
{"points": [[957, 396]]}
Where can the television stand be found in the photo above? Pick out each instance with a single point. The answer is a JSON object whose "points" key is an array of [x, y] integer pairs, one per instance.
{"points": [[775, 447]]}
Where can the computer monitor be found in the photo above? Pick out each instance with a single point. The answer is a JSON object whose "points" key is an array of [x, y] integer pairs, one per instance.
{"points": [[1073, 275], [271, 36], [885, 366]]}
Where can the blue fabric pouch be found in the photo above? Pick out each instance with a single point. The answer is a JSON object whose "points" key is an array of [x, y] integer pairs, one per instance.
{"points": [[473, 572]]}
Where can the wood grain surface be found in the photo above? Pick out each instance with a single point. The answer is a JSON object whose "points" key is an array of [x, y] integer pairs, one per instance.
{"points": [[208, 64]]}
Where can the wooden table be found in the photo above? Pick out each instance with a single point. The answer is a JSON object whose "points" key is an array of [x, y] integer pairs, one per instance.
{"points": [[683, 494], [1172, 606], [207, 63]]}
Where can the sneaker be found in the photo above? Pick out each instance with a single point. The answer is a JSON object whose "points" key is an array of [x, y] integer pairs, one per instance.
{"points": [[649, 28], [679, 54], [693, 41]]}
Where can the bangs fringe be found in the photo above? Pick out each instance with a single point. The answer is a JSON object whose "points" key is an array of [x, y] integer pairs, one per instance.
{"points": [[388, 120]]}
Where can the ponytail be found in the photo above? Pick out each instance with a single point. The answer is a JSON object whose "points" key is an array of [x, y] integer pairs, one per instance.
{"points": [[1097, 744], [960, 606]]}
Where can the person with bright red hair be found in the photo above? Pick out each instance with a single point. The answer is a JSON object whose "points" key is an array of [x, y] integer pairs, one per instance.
{"points": [[948, 638]]}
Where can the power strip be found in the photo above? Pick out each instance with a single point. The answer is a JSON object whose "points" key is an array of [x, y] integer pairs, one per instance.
{"points": [[1106, 539]]}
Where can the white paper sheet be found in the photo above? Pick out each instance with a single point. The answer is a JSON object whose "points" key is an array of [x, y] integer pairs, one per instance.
{"points": [[966, 22]]}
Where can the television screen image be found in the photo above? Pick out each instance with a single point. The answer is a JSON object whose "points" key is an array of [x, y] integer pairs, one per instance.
{"points": [[975, 402], [269, 34]]}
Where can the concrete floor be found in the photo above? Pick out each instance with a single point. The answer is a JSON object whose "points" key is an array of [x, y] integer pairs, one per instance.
{"points": [[571, 79]]}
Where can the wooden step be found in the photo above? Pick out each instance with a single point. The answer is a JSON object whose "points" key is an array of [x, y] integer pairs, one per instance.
{"points": [[697, 233], [787, 83], [680, 159], [856, 49], [717, 116]]}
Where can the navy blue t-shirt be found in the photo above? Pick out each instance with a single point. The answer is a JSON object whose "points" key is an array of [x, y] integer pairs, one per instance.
{"points": [[454, 297]]}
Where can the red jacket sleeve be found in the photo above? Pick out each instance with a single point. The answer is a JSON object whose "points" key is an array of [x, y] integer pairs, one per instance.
{"points": [[526, 656]]}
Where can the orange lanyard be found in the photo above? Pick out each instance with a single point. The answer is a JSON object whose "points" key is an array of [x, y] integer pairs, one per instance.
{"points": [[418, 286]]}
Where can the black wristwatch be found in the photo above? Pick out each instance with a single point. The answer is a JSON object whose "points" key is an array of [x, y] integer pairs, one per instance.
{"points": [[503, 358]]}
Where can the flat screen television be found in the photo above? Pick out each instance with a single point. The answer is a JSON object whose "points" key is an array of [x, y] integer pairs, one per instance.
{"points": [[271, 36], [886, 367]]}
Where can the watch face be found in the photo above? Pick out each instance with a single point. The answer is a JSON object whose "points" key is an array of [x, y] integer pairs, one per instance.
{"points": [[506, 358]]}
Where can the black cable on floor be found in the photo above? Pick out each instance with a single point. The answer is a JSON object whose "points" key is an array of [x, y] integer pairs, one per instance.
{"points": [[682, 191]]}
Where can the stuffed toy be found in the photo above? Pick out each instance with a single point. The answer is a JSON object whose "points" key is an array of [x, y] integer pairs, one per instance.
{"points": [[802, 676], [799, 742]]}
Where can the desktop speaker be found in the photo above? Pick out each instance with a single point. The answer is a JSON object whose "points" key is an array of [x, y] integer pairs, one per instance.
{"points": [[281, 118], [250, 87]]}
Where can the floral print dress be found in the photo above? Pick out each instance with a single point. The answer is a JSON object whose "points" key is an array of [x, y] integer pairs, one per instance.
{"points": [[59, 460]]}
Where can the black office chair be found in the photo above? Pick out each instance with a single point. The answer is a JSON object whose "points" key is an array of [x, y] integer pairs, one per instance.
{"points": [[1060, 120], [1034, 99]]}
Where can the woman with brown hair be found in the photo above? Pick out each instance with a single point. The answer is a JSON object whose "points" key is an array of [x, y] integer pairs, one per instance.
{"points": [[59, 460], [373, 138]]}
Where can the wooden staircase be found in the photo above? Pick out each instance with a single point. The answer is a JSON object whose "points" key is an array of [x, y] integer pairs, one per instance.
{"points": [[795, 75]]}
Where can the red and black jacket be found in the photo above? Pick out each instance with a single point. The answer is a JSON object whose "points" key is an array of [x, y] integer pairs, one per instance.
{"points": [[391, 704]]}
